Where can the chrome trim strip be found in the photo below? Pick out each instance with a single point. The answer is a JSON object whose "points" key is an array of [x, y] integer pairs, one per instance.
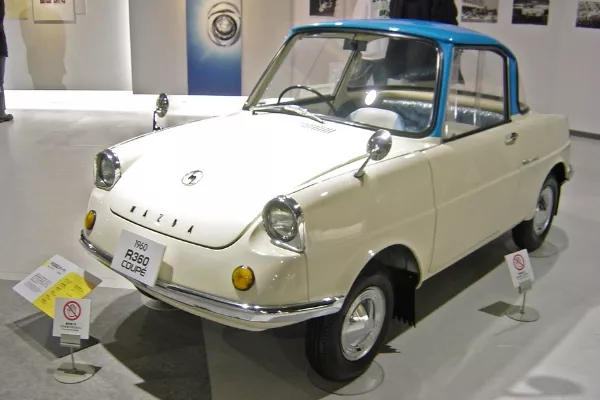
{"points": [[530, 160], [109, 154], [246, 312]]}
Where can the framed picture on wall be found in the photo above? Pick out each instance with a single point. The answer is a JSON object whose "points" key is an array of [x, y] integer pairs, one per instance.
{"points": [[588, 14], [322, 8], [479, 11], [53, 10], [531, 12]]}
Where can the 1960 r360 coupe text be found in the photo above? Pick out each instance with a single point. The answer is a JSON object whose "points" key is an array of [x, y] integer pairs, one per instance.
{"points": [[386, 152]]}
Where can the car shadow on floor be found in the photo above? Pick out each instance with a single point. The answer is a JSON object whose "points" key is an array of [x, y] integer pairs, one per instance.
{"points": [[447, 284], [165, 350], [180, 356]]}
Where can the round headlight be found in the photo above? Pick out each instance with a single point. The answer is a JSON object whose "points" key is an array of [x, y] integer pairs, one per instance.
{"points": [[281, 218], [107, 169]]}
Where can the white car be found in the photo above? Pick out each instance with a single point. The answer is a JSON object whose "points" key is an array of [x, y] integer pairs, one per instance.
{"points": [[330, 198]]}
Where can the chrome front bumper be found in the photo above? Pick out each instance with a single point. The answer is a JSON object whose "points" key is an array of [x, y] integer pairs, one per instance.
{"points": [[222, 307]]}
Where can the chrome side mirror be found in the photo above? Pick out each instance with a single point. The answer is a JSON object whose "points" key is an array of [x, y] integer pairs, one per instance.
{"points": [[162, 107], [378, 148]]}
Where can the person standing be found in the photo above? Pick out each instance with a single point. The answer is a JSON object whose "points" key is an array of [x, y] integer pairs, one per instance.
{"points": [[373, 58], [3, 56], [444, 11], [413, 60]]}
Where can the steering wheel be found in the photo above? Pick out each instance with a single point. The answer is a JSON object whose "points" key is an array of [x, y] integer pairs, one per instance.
{"points": [[314, 91]]}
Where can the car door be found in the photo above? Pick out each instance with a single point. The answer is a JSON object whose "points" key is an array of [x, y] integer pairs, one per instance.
{"points": [[475, 170]]}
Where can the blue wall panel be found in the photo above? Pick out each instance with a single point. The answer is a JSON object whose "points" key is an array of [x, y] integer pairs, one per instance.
{"points": [[214, 47]]}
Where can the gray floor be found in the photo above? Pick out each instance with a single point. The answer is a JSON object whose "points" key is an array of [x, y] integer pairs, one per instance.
{"points": [[463, 348]]}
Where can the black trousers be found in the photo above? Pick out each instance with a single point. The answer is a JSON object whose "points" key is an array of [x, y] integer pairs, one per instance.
{"points": [[2, 99]]}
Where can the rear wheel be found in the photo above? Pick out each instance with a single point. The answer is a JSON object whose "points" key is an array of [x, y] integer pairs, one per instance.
{"points": [[342, 346], [531, 234]]}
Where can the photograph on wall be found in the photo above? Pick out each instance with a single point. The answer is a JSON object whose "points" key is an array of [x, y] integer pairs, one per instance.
{"points": [[588, 14], [16, 9], [322, 8], [214, 47], [531, 12], [479, 11], [53, 10]]}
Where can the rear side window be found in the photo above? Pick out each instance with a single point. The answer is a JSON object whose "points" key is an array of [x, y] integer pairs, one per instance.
{"points": [[477, 94]]}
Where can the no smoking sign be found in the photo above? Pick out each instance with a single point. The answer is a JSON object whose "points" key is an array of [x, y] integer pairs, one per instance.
{"points": [[519, 262], [72, 310], [72, 317], [520, 269]]}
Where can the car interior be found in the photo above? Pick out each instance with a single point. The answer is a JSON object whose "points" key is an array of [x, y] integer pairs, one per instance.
{"points": [[403, 103]]}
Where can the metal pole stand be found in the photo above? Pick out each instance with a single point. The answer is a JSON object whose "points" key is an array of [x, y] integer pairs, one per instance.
{"points": [[523, 313], [70, 373]]}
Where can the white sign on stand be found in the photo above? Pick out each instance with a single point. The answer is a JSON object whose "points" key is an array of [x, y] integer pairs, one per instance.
{"points": [[521, 272], [72, 317], [138, 257]]}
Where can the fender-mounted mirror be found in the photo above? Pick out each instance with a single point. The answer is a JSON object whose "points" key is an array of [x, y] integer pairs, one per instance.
{"points": [[162, 107], [378, 148]]}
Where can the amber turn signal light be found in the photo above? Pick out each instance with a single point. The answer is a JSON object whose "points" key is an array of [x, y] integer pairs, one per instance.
{"points": [[242, 278], [90, 220]]}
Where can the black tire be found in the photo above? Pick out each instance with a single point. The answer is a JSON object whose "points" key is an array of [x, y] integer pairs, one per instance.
{"points": [[525, 235], [323, 335]]}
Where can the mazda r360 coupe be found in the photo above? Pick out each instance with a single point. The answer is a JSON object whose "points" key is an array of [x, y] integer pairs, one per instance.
{"points": [[370, 156]]}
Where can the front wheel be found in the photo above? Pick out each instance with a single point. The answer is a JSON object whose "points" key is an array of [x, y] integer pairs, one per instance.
{"points": [[531, 234], [342, 346]]}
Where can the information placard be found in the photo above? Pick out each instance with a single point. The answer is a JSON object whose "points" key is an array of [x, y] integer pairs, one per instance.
{"points": [[57, 278], [138, 257], [72, 317], [520, 269]]}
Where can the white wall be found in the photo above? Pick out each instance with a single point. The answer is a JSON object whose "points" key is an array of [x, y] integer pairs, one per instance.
{"points": [[98, 52], [558, 62], [265, 25], [158, 46], [92, 53]]}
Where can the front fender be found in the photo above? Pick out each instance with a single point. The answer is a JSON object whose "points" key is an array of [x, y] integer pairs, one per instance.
{"points": [[349, 220]]}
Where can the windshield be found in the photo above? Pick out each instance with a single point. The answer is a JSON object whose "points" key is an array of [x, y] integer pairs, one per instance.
{"points": [[364, 79]]}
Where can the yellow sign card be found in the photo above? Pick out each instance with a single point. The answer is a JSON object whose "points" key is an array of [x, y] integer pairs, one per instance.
{"points": [[57, 278]]}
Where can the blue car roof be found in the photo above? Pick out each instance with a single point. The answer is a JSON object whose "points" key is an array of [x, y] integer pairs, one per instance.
{"points": [[427, 29]]}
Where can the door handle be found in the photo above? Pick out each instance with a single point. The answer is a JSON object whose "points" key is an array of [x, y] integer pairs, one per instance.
{"points": [[510, 139]]}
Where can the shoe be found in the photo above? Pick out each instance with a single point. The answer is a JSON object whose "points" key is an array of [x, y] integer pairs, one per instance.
{"points": [[6, 118]]}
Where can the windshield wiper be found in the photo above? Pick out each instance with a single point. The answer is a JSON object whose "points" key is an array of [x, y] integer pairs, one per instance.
{"points": [[288, 109]]}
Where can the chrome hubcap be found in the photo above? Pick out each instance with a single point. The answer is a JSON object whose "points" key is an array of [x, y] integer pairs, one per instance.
{"points": [[362, 323], [543, 211]]}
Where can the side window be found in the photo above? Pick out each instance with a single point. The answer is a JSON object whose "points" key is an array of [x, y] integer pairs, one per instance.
{"points": [[477, 92]]}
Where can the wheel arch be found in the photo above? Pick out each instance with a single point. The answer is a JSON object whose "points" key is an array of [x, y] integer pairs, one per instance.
{"points": [[403, 268], [560, 172]]}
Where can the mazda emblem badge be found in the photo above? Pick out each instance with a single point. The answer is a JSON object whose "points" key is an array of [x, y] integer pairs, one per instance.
{"points": [[191, 178]]}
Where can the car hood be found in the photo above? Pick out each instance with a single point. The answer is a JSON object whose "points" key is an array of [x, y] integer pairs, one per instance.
{"points": [[242, 160]]}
